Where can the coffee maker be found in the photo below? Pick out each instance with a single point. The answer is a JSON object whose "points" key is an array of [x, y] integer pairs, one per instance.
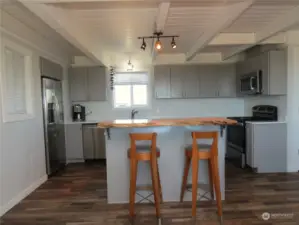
{"points": [[78, 112]]}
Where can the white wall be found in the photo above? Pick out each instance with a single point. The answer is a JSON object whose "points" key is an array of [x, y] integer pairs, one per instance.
{"points": [[22, 151], [293, 107], [170, 108], [279, 101]]}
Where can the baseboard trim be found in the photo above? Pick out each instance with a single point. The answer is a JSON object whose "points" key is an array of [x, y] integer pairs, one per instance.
{"points": [[22, 195]]}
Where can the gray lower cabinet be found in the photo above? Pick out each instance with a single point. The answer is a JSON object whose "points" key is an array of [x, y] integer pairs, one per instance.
{"points": [[162, 82], [84, 141], [74, 143], [87, 84], [93, 142], [266, 146]]}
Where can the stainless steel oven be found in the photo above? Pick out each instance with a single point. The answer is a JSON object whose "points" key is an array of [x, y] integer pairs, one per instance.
{"points": [[251, 83]]}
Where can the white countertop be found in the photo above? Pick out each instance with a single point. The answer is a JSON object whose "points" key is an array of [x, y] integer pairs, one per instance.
{"points": [[83, 122], [265, 122]]}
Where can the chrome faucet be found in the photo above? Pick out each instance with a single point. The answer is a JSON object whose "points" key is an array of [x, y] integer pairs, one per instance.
{"points": [[133, 112]]}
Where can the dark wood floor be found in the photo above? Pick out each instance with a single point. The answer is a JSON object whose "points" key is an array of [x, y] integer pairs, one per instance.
{"points": [[78, 197]]}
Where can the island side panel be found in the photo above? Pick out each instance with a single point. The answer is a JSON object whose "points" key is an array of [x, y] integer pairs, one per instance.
{"points": [[171, 141]]}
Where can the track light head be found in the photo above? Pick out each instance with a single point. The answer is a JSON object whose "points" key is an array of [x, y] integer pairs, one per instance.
{"points": [[143, 45], [173, 44], [158, 44]]}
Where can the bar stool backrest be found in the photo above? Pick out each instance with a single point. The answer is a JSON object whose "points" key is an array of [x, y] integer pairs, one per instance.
{"points": [[143, 137], [205, 135]]}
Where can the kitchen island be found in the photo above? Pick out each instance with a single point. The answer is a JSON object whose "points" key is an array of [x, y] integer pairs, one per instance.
{"points": [[172, 136]]}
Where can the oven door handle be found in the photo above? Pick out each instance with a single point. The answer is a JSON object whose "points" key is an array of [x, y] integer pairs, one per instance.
{"points": [[251, 81]]}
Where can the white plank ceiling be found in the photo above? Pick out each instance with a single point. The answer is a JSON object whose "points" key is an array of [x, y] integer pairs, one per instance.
{"points": [[20, 13], [116, 24]]}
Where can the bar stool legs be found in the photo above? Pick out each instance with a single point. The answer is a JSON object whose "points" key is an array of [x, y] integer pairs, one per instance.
{"points": [[160, 187], [156, 185], [185, 177], [148, 153], [211, 179], [133, 179], [194, 183], [157, 189], [193, 155], [217, 186]]}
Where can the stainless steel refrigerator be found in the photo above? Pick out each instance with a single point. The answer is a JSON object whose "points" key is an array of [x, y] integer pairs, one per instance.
{"points": [[53, 124]]}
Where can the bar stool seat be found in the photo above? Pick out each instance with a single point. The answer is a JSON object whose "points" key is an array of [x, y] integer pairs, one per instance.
{"points": [[148, 153], [201, 147], [144, 149]]}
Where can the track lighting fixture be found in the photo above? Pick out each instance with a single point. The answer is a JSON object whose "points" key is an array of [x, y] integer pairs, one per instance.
{"points": [[173, 44], [158, 43], [143, 46]]}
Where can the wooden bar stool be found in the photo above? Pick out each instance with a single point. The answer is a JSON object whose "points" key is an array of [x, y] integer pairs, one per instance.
{"points": [[150, 153], [196, 152]]}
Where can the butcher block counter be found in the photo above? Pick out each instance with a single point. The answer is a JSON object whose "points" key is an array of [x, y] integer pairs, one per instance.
{"points": [[173, 135], [194, 121]]}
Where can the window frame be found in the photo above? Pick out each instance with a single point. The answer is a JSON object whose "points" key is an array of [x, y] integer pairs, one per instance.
{"points": [[28, 82], [147, 106]]}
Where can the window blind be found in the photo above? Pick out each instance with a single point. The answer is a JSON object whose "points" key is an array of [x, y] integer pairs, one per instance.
{"points": [[15, 82], [131, 78]]}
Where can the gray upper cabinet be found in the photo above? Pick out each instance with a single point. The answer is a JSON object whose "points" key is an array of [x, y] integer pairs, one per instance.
{"points": [[217, 81], [176, 81], [208, 87], [162, 81], [226, 81], [87, 84], [195, 81], [274, 70], [78, 84], [51, 69], [97, 84], [191, 82], [273, 67]]}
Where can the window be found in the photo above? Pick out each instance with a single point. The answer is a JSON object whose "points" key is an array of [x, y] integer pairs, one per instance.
{"points": [[16, 82], [130, 90]]}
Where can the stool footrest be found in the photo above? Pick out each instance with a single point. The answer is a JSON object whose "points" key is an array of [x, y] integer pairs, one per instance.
{"points": [[144, 188], [205, 187]]}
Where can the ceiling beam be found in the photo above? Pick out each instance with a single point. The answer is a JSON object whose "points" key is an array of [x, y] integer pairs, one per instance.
{"points": [[67, 26], [233, 39], [279, 24], [78, 1], [160, 23], [202, 58], [227, 15]]}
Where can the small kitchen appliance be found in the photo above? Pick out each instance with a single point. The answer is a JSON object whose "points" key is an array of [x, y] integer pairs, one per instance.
{"points": [[78, 112]]}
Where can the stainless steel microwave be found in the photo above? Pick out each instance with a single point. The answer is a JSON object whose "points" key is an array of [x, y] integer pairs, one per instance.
{"points": [[251, 83]]}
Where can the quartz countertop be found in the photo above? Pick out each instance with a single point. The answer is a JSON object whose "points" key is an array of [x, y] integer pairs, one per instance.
{"points": [[193, 121]]}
